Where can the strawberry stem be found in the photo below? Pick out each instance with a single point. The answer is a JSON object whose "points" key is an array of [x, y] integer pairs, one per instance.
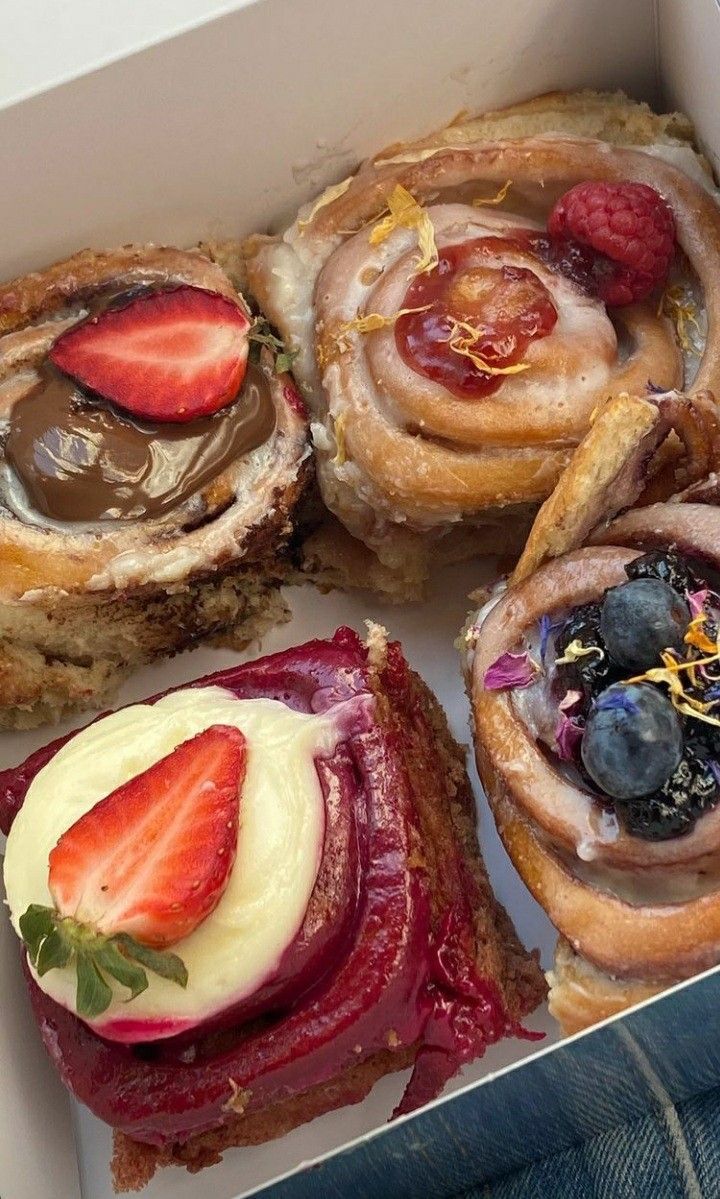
{"points": [[54, 941]]}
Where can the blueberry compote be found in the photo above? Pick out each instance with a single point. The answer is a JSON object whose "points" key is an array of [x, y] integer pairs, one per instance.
{"points": [[638, 676]]}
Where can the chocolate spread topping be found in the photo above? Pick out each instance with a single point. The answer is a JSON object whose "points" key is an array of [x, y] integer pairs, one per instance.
{"points": [[80, 459]]}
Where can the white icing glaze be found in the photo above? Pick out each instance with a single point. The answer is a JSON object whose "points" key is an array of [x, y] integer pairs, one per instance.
{"points": [[282, 821]]}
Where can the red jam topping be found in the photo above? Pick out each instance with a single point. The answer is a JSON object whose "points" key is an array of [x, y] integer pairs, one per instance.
{"points": [[471, 308]]}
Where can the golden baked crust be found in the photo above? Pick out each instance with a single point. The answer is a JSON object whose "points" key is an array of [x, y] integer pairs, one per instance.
{"points": [[616, 464], [446, 812], [581, 996]]}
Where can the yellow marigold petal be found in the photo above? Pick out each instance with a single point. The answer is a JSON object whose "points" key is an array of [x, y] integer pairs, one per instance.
{"points": [[374, 320], [576, 650], [677, 303], [406, 213], [480, 202], [464, 336]]}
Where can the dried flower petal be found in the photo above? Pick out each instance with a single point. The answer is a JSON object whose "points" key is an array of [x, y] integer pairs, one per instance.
{"points": [[570, 700], [697, 600], [463, 336], [510, 670], [374, 321], [568, 735], [498, 198], [697, 637], [576, 650], [406, 213]]}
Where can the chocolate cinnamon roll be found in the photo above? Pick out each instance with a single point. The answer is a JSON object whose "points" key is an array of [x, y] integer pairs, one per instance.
{"points": [[149, 468]]}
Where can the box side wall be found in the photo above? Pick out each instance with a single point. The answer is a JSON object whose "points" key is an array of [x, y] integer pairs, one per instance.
{"points": [[228, 127], [688, 45]]}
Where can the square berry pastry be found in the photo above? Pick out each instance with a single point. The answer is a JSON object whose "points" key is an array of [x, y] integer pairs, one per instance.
{"points": [[245, 900]]}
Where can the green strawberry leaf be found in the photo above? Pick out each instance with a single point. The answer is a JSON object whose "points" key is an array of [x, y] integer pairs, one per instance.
{"points": [[167, 965], [109, 958], [93, 994], [36, 924], [54, 951]]}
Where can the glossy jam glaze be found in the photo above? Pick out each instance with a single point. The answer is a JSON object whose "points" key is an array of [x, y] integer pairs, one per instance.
{"points": [[508, 304]]}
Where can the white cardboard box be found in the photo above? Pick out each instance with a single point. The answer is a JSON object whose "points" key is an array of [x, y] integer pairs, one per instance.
{"points": [[218, 130]]}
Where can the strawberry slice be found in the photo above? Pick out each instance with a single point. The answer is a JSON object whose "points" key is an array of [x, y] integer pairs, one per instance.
{"points": [[153, 858], [167, 356]]}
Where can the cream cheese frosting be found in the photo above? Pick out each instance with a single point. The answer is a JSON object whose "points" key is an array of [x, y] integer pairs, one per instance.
{"points": [[280, 842]]}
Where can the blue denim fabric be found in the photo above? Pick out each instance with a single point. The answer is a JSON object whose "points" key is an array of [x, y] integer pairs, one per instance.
{"points": [[673, 1154]]}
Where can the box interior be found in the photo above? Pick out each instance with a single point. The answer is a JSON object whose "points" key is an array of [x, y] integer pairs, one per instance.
{"points": [[221, 130]]}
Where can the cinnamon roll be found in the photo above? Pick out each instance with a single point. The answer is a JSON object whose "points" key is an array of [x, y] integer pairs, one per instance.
{"points": [[458, 313], [149, 469], [595, 684], [332, 921]]}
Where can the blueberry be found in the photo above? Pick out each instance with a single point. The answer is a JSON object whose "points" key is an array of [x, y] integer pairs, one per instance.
{"points": [[633, 740], [673, 809], [588, 673], [641, 618], [668, 567]]}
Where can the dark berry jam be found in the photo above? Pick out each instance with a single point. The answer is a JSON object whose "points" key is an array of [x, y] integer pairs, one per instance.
{"points": [[505, 309]]}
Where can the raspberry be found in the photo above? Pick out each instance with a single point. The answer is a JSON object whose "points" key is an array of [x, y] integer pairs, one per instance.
{"points": [[629, 226]]}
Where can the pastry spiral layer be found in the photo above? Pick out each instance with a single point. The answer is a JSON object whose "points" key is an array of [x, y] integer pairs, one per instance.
{"points": [[83, 599], [405, 452], [634, 915]]}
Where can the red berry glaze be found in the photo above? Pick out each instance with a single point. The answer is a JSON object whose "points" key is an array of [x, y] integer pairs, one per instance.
{"points": [[508, 305], [167, 356], [153, 858], [630, 225]]}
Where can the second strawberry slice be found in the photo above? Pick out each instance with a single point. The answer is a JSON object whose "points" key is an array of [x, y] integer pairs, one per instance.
{"points": [[153, 858], [167, 356]]}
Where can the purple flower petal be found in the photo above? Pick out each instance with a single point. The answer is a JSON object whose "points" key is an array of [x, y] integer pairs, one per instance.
{"points": [[570, 700], [715, 767], [697, 600], [510, 670], [568, 735]]}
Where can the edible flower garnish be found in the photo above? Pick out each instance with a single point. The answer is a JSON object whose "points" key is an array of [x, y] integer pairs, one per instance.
{"points": [[406, 213], [697, 637], [373, 321], [568, 730], [327, 197], [677, 303], [511, 670], [682, 700], [482, 202], [464, 337], [697, 600], [576, 650]]}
